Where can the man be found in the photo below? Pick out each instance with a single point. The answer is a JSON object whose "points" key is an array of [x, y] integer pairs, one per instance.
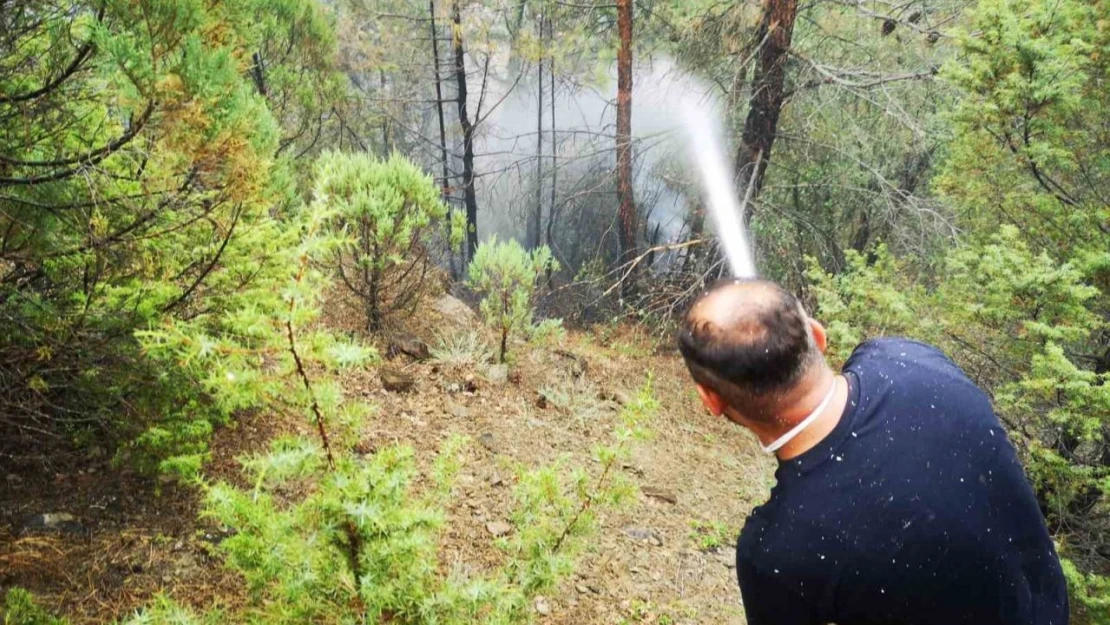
{"points": [[899, 499]]}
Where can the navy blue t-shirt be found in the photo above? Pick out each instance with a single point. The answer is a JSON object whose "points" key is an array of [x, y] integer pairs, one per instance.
{"points": [[913, 510]]}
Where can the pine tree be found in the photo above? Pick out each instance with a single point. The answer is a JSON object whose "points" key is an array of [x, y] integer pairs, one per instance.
{"points": [[392, 218], [506, 275]]}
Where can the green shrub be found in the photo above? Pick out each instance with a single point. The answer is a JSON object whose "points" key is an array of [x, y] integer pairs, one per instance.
{"points": [[253, 354], [20, 609], [505, 275], [548, 331], [389, 214], [354, 540], [146, 196], [712, 535]]}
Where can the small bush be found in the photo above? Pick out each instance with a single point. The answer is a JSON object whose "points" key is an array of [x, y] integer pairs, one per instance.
{"points": [[548, 331], [462, 349], [389, 214], [505, 274], [20, 609], [361, 544], [711, 535], [252, 355]]}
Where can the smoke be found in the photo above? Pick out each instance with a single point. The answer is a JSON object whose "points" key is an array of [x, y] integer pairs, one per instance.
{"points": [[585, 154]]}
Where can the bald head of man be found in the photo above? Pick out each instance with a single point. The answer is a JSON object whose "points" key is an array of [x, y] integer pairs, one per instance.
{"points": [[753, 352]]}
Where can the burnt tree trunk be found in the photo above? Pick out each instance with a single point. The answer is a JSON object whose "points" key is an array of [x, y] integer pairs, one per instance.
{"points": [[776, 28], [470, 199], [445, 184], [626, 213]]}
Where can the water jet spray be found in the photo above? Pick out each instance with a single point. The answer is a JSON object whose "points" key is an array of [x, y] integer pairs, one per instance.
{"points": [[718, 191]]}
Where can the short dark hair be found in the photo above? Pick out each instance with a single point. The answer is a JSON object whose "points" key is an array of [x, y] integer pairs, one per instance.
{"points": [[759, 348]]}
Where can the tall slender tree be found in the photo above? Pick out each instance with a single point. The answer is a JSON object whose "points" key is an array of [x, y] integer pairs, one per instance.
{"points": [[445, 182], [773, 36], [470, 197], [629, 220], [535, 215]]}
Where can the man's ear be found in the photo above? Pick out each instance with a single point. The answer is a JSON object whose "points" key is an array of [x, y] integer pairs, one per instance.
{"points": [[820, 335], [714, 402]]}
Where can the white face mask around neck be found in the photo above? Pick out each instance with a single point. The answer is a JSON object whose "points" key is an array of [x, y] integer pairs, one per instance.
{"points": [[797, 429]]}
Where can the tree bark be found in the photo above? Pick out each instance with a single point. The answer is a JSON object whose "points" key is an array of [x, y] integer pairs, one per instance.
{"points": [[445, 184], [626, 213], [554, 164], [535, 216], [469, 196], [776, 28], [385, 119]]}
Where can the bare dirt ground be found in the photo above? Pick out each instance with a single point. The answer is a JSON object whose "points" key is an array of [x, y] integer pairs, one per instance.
{"points": [[647, 564]]}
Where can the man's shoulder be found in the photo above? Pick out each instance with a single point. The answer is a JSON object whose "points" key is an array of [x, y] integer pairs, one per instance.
{"points": [[896, 347], [900, 357]]}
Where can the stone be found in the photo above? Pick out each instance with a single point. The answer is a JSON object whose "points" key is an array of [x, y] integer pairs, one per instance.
{"points": [[498, 528], [495, 480], [578, 364], [178, 546], [409, 346], [616, 396], [455, 310], [582, 589], [660, 494], [728, 558], [488, 441], [456, 410], [13, 479], [497, 374], [541, 401], [643, 534], [542, 607], [633, 469], [395, 380], [53, 522]]}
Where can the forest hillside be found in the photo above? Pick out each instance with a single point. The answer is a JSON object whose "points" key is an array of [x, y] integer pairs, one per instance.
{"points": [[350, 311]]}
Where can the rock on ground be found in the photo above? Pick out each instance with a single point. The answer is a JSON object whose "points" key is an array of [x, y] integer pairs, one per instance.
{"points": [[455, 310], [396, 381]]}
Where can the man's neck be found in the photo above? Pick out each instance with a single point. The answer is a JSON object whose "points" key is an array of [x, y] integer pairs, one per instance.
{"points": [[801, 408]]}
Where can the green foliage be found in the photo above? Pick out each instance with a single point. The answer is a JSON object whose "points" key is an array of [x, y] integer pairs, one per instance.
{"points": [[1091, 593], [548, 332], [355, 539], [389, 214], [712, 535], [242, 356], [20, 609], [505, 275], [142, 169]]}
